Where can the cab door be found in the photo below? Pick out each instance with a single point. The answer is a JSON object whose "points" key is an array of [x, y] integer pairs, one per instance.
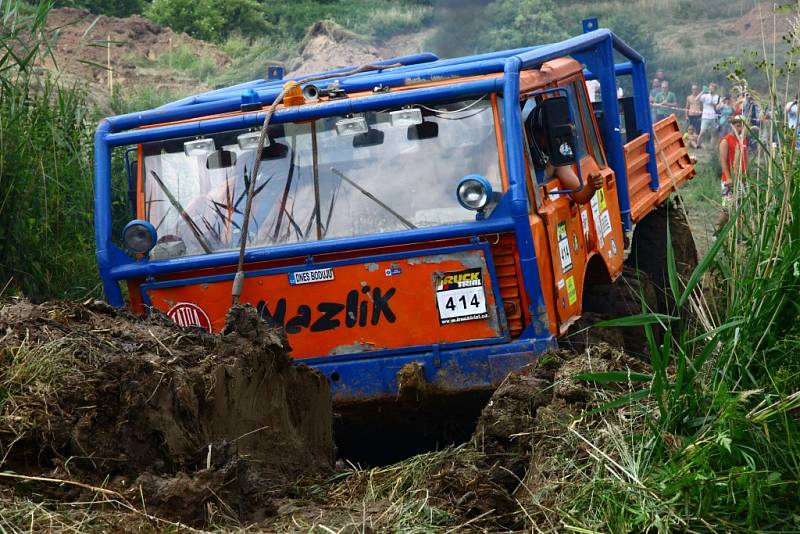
{"points": [[575, 233]]}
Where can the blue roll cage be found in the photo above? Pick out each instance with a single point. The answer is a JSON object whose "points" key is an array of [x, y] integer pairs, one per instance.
{"points": [[595, 49]]}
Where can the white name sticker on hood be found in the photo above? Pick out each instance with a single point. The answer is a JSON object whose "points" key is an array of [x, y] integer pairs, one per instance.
{"points": [[309, 277]]}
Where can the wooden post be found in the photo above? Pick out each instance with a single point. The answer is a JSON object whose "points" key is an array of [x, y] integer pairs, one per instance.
{"points": [[108, 66]]}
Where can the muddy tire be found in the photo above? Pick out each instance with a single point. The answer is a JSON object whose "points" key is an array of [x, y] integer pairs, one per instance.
{"points": [[648, 251], [630, 294]]}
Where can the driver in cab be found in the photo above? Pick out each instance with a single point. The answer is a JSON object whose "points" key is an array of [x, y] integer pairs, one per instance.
{"points": [[546, 156]]}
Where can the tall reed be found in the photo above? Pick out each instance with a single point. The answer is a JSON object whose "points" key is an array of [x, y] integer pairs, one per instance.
{"points": [[46, 237]]}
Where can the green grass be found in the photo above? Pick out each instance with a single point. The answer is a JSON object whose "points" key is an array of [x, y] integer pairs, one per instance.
{"points": [[46, 200], [719, 450], [184, 59]]}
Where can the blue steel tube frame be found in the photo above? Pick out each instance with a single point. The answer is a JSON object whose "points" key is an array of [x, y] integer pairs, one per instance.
{"points": [[121, 130]]}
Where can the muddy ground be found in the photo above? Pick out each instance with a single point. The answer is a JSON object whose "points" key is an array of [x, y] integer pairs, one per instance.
{"points": [[187, 425], [146, 420]]}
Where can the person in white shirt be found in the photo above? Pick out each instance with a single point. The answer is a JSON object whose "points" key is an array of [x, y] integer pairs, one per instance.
{"points": [[708, 120], [791, 120]]}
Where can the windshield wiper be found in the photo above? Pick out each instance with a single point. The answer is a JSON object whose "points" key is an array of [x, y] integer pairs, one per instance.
{"points": [[186, 217], [373, 198]]}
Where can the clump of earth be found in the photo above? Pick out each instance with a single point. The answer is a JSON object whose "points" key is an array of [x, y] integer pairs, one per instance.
{"points": [[183, 423]]}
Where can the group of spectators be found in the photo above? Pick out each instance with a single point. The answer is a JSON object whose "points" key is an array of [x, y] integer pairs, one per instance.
{"points": [[706, 112], [717, 121]]}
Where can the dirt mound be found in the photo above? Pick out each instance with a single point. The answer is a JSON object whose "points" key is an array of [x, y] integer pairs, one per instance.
{"points": [[328, 46], [516, 430], [181, 422], [80, 51], [763, 21]]}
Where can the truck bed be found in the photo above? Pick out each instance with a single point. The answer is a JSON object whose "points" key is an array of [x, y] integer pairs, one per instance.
{"points": [[673, 163]]}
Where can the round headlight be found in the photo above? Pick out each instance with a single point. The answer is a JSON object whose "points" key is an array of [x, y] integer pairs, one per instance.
{"points": [[474, 192], [139, 236]]}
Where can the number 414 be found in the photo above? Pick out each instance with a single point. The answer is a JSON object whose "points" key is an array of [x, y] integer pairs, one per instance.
{"points": [[474, 302]]}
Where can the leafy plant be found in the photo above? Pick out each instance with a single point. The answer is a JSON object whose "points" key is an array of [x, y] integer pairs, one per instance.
{"points": [[210, 20]]}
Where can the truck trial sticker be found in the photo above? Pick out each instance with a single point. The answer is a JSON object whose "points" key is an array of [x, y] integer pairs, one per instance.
{"points": [[460, 296], [563, 247], [309, 277]]}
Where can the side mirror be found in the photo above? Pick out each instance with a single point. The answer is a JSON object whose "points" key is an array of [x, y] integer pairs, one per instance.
{"points": [[553, 118]]}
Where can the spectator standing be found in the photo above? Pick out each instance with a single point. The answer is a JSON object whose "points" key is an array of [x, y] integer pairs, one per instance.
{"points": [[724, 114], [791, 114], [708, 119], [791, 121], [665, 101], [750, 110], [751, 113], [694, 109], [660, 76], [733, 160], [655, 88]]}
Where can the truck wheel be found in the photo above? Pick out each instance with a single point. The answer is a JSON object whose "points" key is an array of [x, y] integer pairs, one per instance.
{"points": [[649, 250], [631, 293]]}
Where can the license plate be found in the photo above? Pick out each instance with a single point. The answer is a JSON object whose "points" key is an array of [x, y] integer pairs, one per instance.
{"points": [[460, 296]]}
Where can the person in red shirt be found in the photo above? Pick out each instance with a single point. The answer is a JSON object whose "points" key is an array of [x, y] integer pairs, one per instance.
{"points": [[733, 160]]}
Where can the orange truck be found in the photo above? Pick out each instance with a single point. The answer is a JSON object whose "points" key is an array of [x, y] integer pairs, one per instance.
{"points": [[408, 213]]}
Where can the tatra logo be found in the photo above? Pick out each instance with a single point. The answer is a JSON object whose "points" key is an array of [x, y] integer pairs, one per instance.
{"points": [[189, 314], [357, 311]]}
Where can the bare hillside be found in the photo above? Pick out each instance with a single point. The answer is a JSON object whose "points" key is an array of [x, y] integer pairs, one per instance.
{"points": [[86, 45]]}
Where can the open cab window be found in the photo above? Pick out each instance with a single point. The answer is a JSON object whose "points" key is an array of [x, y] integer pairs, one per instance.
{"points": [[328, 178], [584, 131]]}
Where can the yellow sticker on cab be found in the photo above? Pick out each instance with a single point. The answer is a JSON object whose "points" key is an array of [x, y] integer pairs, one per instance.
{"points": [[601, 199], [572, 294]]}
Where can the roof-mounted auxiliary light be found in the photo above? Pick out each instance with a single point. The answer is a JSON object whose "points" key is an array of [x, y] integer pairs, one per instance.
{"points": [[352, 125], [199, 147], [406, 117], [249, 140]]}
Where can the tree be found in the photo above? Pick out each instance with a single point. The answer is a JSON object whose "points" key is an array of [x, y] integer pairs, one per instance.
{"points": [[518, 23], [210, 20], [114, 8]]}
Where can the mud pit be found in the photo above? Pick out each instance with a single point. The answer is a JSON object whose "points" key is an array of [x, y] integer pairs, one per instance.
{"points": [[203, 430], [180, 422], [512, 467]]}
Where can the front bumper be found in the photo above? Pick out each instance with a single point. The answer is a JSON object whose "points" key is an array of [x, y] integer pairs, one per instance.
{"points": [[446, 371]]}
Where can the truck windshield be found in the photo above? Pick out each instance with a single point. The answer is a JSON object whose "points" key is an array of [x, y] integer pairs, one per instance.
{"points": [[318, 180]]}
